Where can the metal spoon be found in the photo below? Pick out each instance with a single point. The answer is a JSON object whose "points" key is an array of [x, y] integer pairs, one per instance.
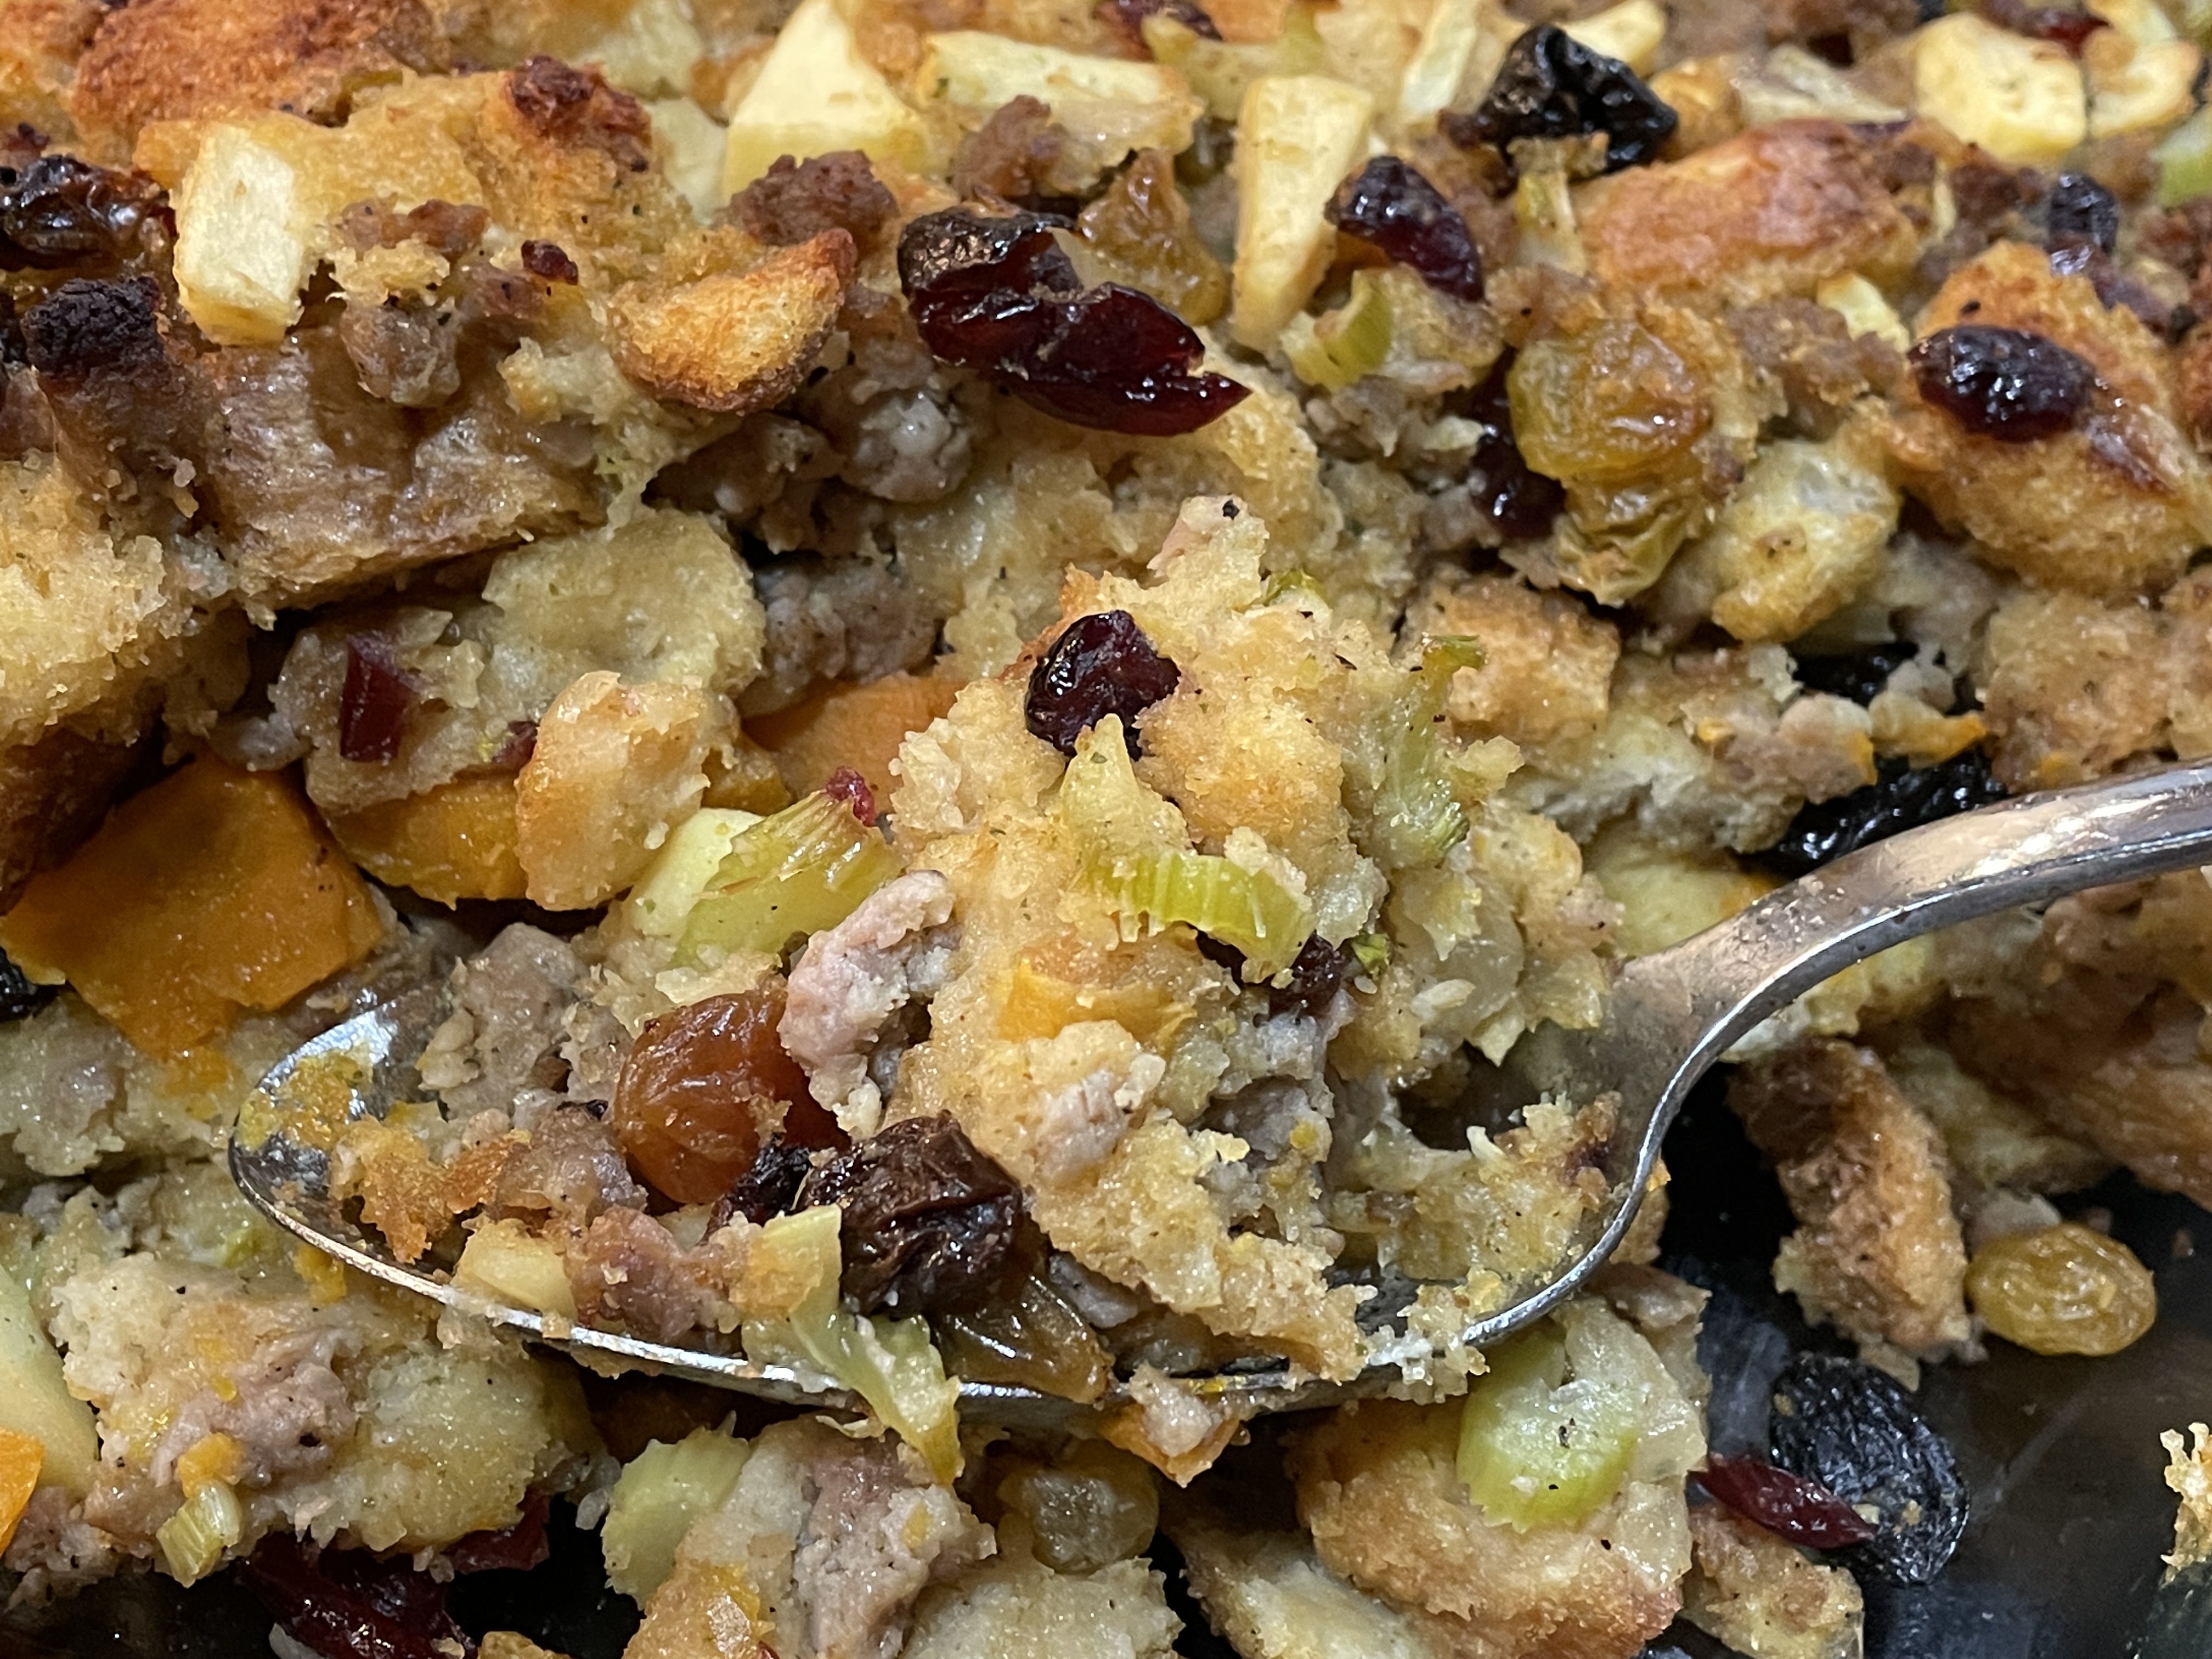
{"points": [[1672, 1014]]}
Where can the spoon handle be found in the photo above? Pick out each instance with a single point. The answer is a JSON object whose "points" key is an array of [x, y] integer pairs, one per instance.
{"points": [[1676, 1012]]}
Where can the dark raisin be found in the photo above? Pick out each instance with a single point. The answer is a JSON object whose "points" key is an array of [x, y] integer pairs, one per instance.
{"points": [[61, 212], [1552, 86], [1857, 675], [2057, 24], [1315, 973], [349, 1604], [2082, 211], [86, 328], [375, 702], [549, 262], [994, 294], [1126, 18], [19, 997], [1789, 1505], [511, 1549], [1903, 798], [2003, 383], [1855, 1431], [515, 749], [1100, 665], [770, 1187], [1389, 206], [929, 1224], [849, 786], [1520, 504]]}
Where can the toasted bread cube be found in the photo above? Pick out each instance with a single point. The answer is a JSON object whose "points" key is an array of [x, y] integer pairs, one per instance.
{"points": [[1297, 138], [2020, 100], [815, 94], [732, 341]]}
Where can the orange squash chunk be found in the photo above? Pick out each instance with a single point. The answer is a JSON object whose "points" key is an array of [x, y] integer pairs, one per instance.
{"points": [[453, 843], [21, 1456], [857, 726], [212, 892]]}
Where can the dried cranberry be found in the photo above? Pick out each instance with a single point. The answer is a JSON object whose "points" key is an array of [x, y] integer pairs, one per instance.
{"points": [[1902, 799], [2062, 27], [1789, 1505], [2003, 383], [1126, 18], [60, 211], [1393, 207], [849, 786], [1552, 86], [1315, 973], [2082, 212], [348, 1604], [770, 1187], [1100, 665], [511, 1549], [1520, 503], [549, 262], [994, 294], [20, 998], [1855, 1431], [929, 1222], [376, 699]]}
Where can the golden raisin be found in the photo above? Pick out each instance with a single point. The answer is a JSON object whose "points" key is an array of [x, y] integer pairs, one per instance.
{"points": [[2064, 1289], [701, 1091]]}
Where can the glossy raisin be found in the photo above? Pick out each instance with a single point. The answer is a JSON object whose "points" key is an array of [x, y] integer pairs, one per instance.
{"points": [[1394, 209], [1315, 974], [1903, 798], [1520, 504], [1787, 1505], [2062, 1289], [2003, 383], [2082, 212], [1552, 86], [1858, 676], [1126, 18], [929, 1222], [1854, 1430], [61, 213], [2059, 25], [703, 1090], [770, 1187], [349, 1604], [1100, 665], [995, 293], [375, 700], [20, 998]]}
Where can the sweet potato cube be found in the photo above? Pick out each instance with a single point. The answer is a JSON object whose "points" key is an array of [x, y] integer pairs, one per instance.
{"points": [[456, 842], [21, 1456], [857, 726], [212, 892]]}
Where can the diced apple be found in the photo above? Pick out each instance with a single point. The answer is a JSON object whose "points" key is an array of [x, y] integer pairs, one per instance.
{"points": [[1631, 32], [242, 240], [1149, 105], [2020, 100], [661, 901], [2138, 85], [662, 1491], [504, 1262], [691, 142], [1449, 41], [815, 94], [1297, 138], [34, 1401]]}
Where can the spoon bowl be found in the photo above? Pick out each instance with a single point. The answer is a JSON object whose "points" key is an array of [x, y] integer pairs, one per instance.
{"points": [[1672, 1014]]}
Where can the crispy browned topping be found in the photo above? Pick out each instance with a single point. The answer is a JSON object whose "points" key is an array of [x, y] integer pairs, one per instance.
{"points": [[573, 107]]}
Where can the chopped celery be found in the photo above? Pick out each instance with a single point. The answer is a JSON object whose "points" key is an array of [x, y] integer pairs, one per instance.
{"points": [[1370, 950], [1248, 909], [661, 1492], [1417, 814], [806, 869], [1220, 70], [1336, 350], [1293, 585], [1537, 1450], [887, 1363], [661, 901], [2184, 161], [193, 1539]]}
